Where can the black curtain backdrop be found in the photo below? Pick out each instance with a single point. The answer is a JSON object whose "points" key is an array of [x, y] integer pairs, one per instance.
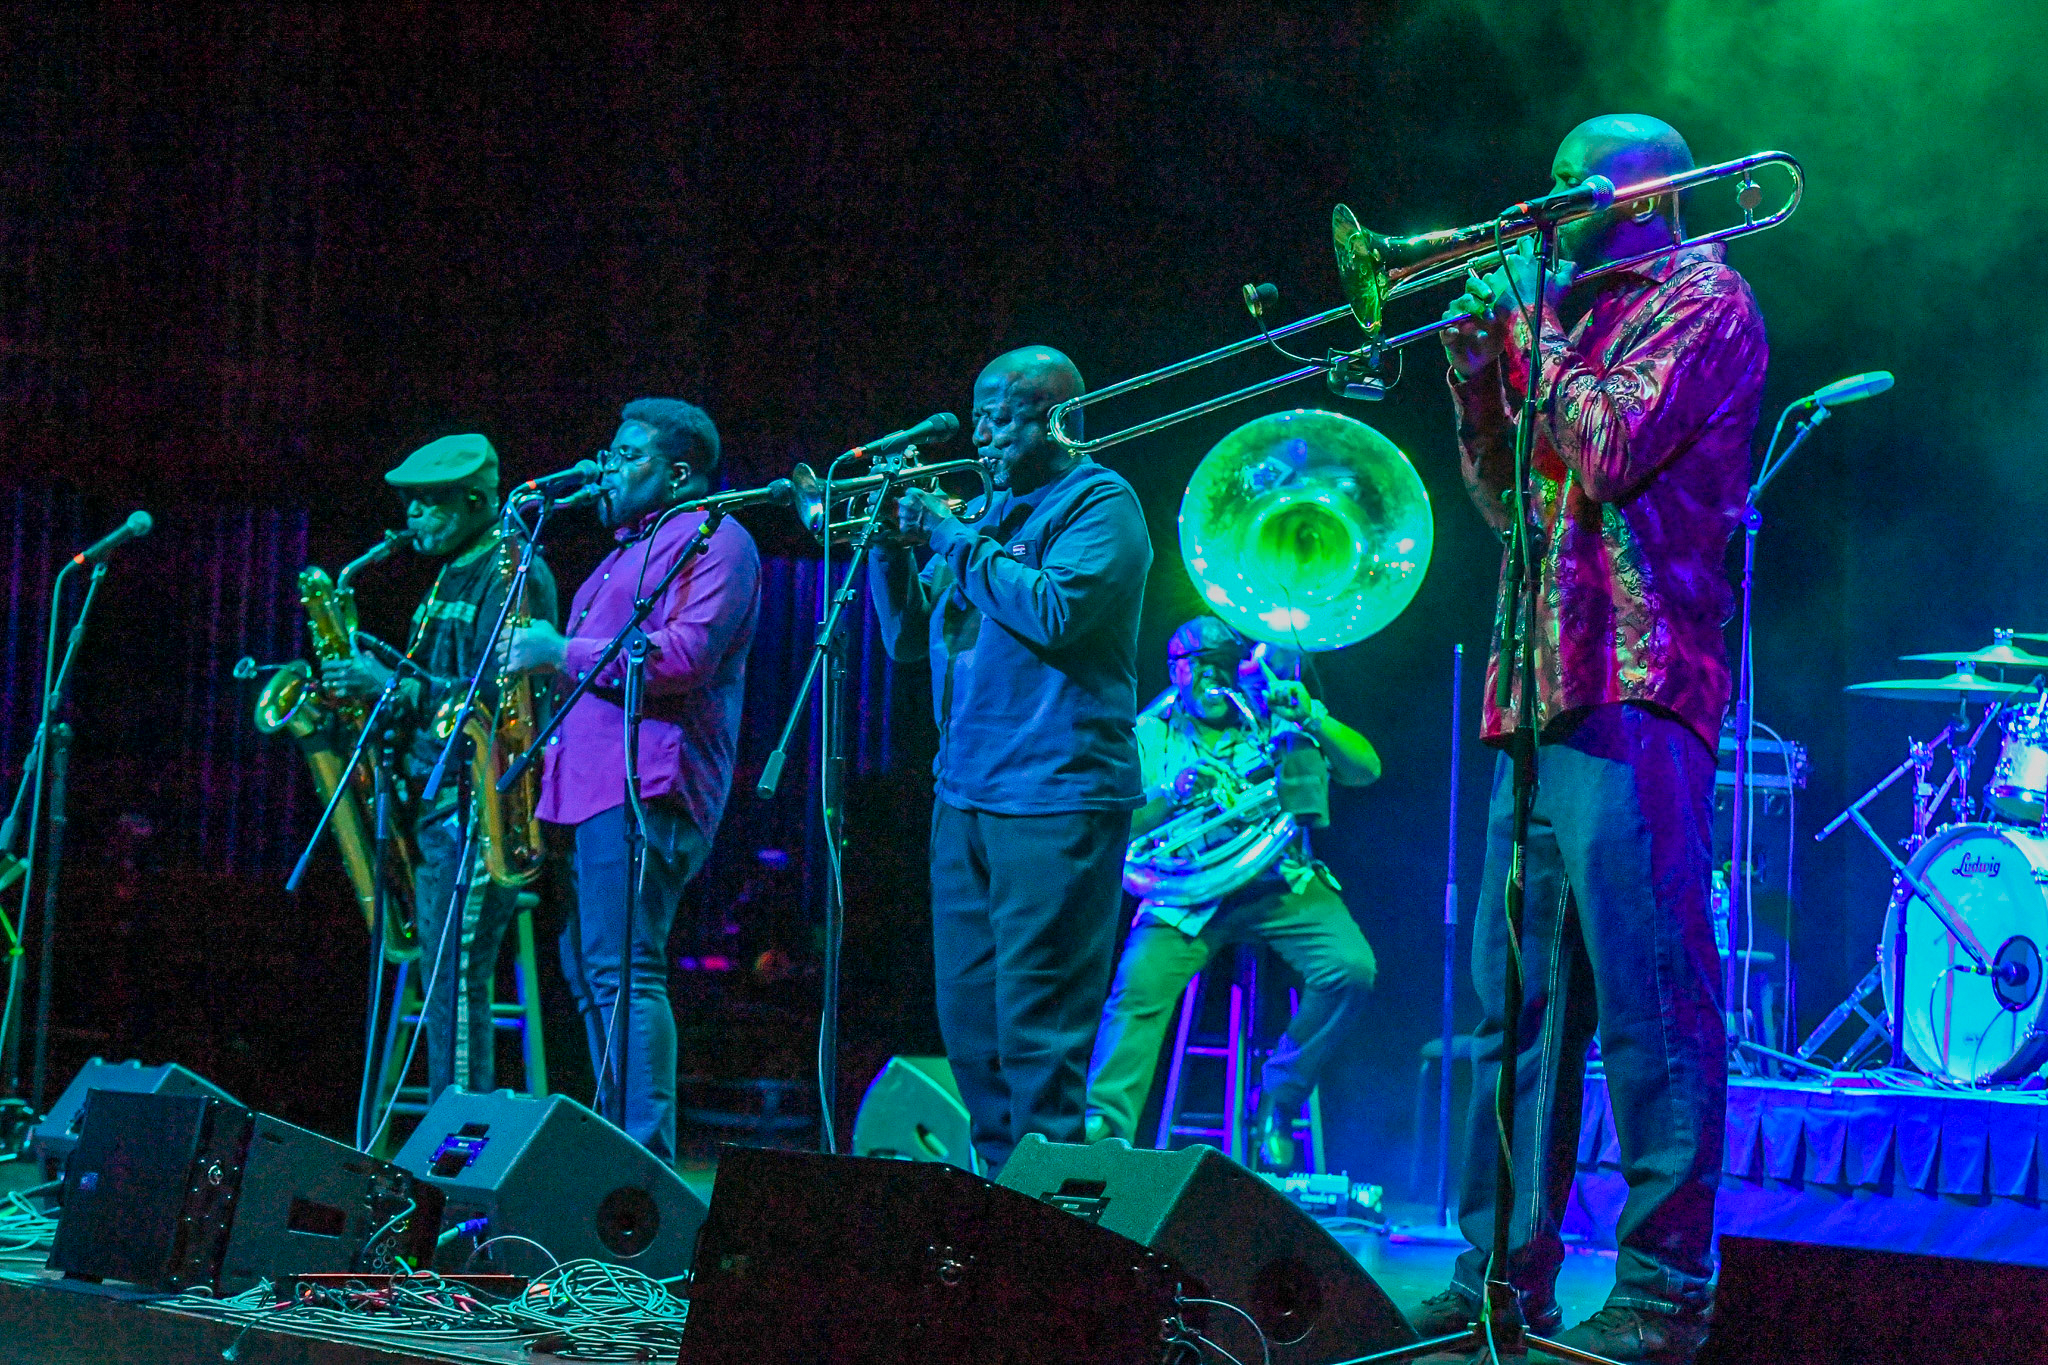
{"points": [[251, 255]]}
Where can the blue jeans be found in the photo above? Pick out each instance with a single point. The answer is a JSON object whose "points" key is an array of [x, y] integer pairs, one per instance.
{"points": [[593, 947], [481, 918], [1617, 936]]}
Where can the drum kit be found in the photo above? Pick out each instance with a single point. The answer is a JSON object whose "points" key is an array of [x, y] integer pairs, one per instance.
{"points": [[1959, 961]]}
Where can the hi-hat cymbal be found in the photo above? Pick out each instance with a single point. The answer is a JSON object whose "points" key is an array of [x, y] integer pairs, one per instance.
{"points": [[1955, 687], [2000, 655]]}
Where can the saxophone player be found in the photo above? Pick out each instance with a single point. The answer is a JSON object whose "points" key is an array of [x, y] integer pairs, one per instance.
{"points": [[450, 491], [664, 453], [1203, 739]]}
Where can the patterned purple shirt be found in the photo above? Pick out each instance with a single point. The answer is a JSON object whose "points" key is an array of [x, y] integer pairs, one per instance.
{"points": [[696, 674], [1641, 465]]}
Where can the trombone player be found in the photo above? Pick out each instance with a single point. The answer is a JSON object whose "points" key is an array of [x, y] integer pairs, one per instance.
{"points": [[1651, 379], [1202, 739], [450, 491]]}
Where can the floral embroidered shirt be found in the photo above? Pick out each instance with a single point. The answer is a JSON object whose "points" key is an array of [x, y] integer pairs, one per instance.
{"points": [[1646, 411]]}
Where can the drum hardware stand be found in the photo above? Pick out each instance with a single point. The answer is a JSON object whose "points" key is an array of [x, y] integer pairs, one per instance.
{"points": [[826, 660], [43, 777], [2004, 971]]}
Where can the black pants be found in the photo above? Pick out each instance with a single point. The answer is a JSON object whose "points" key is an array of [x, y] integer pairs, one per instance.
{"points": [[1024, 912], [1617, 935]]}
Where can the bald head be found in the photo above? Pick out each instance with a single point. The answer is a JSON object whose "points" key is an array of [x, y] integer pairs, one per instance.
{"points": [[1628, 149], [1012, 399]]}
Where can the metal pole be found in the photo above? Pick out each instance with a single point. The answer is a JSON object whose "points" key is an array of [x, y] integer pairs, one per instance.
{"points": [[60, 762], [1443, 1093]]}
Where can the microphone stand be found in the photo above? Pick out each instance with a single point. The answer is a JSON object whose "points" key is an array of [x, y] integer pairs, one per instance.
{"points": [[636, 864], [1741, 832], [49, 734], [1500, 1330], [831, 761]]}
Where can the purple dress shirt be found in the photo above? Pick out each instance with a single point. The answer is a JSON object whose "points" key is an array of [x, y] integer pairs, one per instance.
{"points": [[696, 674], [1641, 464]]}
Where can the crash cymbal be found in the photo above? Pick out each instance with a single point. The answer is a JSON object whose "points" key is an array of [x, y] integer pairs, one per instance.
{"points": [[1961, 685], [2001, 655]]}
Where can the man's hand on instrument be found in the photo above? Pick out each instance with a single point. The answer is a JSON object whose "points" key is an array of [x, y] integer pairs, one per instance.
{"points": [[919, 511], [1472, 334], [534, 648], [1199, 778], [1514, 284], [357, 676]]}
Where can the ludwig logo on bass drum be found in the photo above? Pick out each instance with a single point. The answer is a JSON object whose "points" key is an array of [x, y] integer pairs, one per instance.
{"points": [[1974, 866]]}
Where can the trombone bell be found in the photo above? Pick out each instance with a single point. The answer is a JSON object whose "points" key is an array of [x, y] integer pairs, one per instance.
{"points": [[1307, 529]]}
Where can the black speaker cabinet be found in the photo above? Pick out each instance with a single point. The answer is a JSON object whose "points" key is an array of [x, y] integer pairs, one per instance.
{"points": [[1237, 1239], [1792, 1303], [912, 1112], [810, 1259], [179, 1192], [52, 1139], [549, 1169]]}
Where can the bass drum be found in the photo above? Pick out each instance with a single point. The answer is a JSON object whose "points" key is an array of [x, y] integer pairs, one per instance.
{"points": [[1959, 1025]]}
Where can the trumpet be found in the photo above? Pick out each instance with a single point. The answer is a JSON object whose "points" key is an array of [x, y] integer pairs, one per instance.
{"points": [[814, 500], [1376, 269]]}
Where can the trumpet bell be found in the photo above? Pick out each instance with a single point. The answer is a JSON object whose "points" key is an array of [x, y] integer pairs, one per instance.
{"points": [[1306, 528]]}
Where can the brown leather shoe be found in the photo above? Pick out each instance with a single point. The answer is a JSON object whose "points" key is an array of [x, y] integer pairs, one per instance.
{"points": [[1631, 1336]]}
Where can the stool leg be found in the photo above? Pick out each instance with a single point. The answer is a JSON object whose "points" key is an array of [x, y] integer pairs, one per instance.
{"points": [[1234, 1079], [1169, 1105], [532, 1041]]}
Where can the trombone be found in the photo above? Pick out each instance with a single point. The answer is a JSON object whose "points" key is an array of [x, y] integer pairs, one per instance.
{"points": [[1376, 269]]}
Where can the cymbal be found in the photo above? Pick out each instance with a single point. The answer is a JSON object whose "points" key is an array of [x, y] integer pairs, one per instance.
{"points": [[2001, 655], [2028, 635], [1957, 686]]}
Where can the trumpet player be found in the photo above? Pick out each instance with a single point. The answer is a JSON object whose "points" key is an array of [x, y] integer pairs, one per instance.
{"points": [[450, 491], [1651, 379], [1029, 617], [1202, 742], [664, 453]]}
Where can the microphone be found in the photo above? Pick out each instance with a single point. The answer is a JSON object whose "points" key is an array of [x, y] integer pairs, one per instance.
{"points": [[135, 528], [578, 475], [389, 657], [1591, 195], [1853, 389], [936, 429]]}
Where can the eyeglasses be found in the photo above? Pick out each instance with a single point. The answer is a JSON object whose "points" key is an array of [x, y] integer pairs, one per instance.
{"points": [[611, 461]]}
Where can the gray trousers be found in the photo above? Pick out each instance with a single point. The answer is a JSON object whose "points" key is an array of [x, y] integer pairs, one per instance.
{"points": [[1312, 932], [468, 938]]}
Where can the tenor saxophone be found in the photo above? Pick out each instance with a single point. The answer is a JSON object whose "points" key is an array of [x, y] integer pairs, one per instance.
{"points": [[326, 727], [498, 736]]}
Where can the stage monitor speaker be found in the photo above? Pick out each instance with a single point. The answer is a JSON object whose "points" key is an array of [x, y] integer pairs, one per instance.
{"points": [[1794, 1303], [912, 1112], [183, 1192], [52, 1139], [1243, 1240], [548, 1169], [809, 1259]]}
